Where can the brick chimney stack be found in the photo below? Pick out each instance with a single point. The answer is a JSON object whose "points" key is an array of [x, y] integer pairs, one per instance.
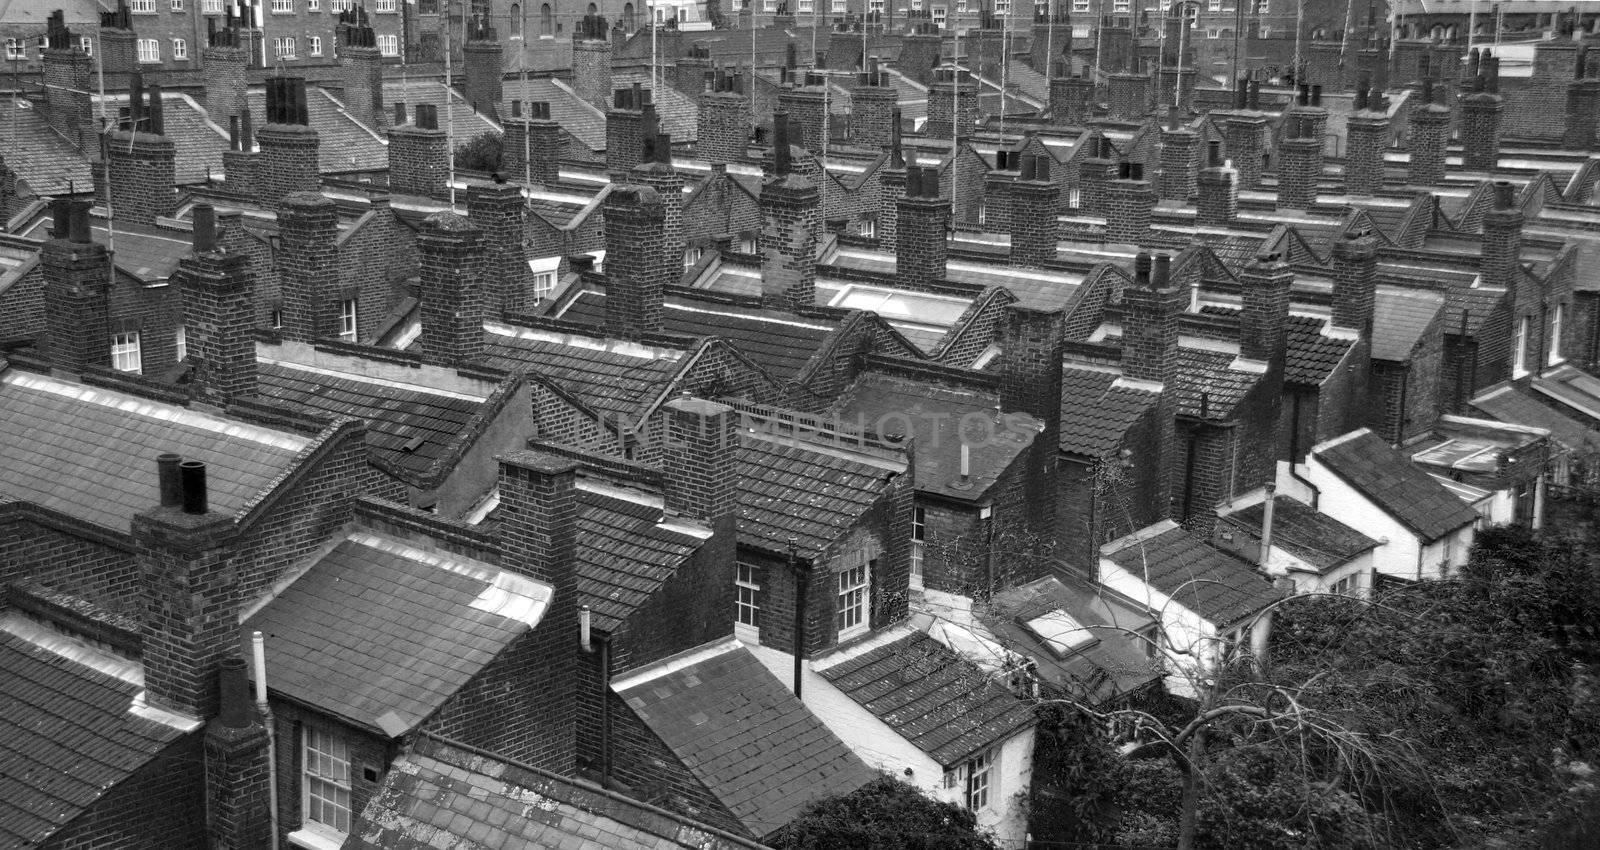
{"points": [[500, 213], [217, 292], [68, 72], [1481, 113], [724, 123], [538, 538], [591, 61], [635, 220], [419, 155], [533, 144], [624, 122], [922, 228], [952, 103], [143, 160], [1430, 134], [1299, 164], [116, 42], [1367, 132], [451, 257], [1033, 214], [222, 68], [238, 796], [1071, 97], [1583, 106], [892, 185], [1031, 348], [700, 459], [1245, 130], [189, 562], [872, 107], [1095, 174], [1180, 161], [308, 267], [1502, 240], [363, 68], [77, 284], [1264, 321], [802, 96], [1151, 308], [1355, 281], [1052, 40], [1128, 95], [1129, 205], [1217, 203], [790, 207], [919, 49], [655, 170], [484, 59], [289, 148]]}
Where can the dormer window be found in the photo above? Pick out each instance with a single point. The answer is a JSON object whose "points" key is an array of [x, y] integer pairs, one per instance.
{"points": [[1555, 335], [1519, 349]]}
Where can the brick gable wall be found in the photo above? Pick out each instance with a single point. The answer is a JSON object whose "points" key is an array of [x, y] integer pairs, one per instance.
{"points": [[159, 806]]}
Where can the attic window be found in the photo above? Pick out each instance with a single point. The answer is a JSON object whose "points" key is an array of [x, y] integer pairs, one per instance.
{"points": [[1062, 633]]}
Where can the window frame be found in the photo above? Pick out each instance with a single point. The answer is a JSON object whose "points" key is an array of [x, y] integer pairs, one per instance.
{"points": [[284, 47], [151, 56], [979, 783], [384, 7], [16, 50], [852, 613], [127, 351], [180, 343], [177, 5], [314, 45], [1519, 348], [282, 7], [919, 544], [1553, 354], [388, 45], [142, 7], [349, 319], [747, 598], [310, 778], [180, 49]]}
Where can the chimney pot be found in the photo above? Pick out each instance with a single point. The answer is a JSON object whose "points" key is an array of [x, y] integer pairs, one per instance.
{"points": [[193, 476], [1141, 268], [170, 483], [234, 693], [80, 223], [205, 228]]}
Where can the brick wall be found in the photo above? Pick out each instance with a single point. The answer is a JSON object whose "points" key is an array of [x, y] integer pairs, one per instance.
{"points": [[498, 210], [288, 161], [804, 103], [790, 227], [376, 257], [308, 267], [1071, 99], [719, 207], [1033, 222], [1180, 164], [1128, 96], [485, 73], [1480, 130], [541, 140], [22, 306], [99, 570], [367, 750], [223, 73], [1246, 134], [452, 252], [143, 176], [419, 161], [952, 104], [158, 806], [218, 318], [635, 277], [591, 70], [363, 84], [1128, 205], [1299, 168], [77, 303], [67, 82], [723, 128], [922, 222], [1430, 133], [872, 115]]}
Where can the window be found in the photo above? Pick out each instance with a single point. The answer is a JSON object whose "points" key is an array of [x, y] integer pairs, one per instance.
{"points": [[283, 47], [983, 212], [384, 6], [177, 5], [977, 771], [869, 228], [180, 49], [282, 7], [125, 351], [149, 50], [389, 45], [547, 27], [277, 320], [747, 605], [919, 531], [1080, 5], [875, 6], [938, 16], [916, 5], [210, 7], [544, 283], [1555, 334], [1002, 7], [961, 7], [805, 7], [347, 320], [838, 7], [314, 45], [692, 256], [516, 20], [1074, 197], [1152, 642], [1081, 30], [16, 49], [1346, 586], [87, 44], [851, 617], [143, 7], [313, 5], [181, 342], [1121, 6], [769, 6], [1519, 350], [327, 780]]}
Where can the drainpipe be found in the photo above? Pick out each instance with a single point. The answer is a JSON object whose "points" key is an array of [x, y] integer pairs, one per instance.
{"points": [[1269, 507], [259, 654], [801, 583], [1294, 450], [587, 641]]}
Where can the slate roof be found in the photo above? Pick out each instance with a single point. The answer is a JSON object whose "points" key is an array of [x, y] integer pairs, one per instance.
{"points": [[382, 634], [1312, 536], [781, 344], [1477, 303], [199, 142], [1195, 574], [1400, 318], [615, 380], [438, 794], [66, 738], [1512, 404], [344, 144], [887, 402], [1396, 485], [1205, 371], [582, 121], [680, 115], [624, 555], [1311, 355], [151, 254], [746, 737], [1113, 665], [1095, 414], [49, 163], [91, 453], [454, 109], [395, 415], [932, 697], [816, 496]]}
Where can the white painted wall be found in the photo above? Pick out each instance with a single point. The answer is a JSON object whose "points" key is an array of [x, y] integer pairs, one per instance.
{"points": [[1182, 628]]}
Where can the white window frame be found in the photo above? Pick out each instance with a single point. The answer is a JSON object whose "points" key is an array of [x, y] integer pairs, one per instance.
{"points": [[177, 5], [940, 15], [324, 756], [919, 545], [979, 775], [126, 355], [1350, 585], [747, 600], [283, 47], [869, 228], [691, 256], [1519, 350], [180, 342], [16, 49], [348, 319], [142, 7], [852, 599], [86, 43], [210, 7], [1556, 318], [875, 6], [839, 7], [313, 5], [282, 7], [1002, 8], [314, 45], [804, 7], [180, 49], [769, 6], [276, 320], [386, 7], [149, 50], [544, 285], [389, 45]]}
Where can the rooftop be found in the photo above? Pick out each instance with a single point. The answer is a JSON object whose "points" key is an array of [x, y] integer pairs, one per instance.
{"points": [[789, 488], [1107, 660], [1195, 574], [1517, 405], [1316, 538], [1392, 482], [616, 378], [1098, 408], [1400, 318]]}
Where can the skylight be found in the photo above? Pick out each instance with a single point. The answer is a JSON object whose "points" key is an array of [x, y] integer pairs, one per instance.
{"points": [[1062, 633]]}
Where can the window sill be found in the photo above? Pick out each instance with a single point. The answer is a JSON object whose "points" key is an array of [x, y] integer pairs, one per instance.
{"points": [[749, 635], [314, 839]]}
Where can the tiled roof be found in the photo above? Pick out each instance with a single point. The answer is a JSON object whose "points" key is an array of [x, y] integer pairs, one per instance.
{"points": [[584, 122], [745, 736], [1195, 574], [199, 142], [440, 795], [66, 738], [1311, 355], [1205, 371], [614, 380], [49, 163], [780, 344], [149, 253], [1396, 485], [886, 403], [816, 496], [456, 112], [680, 115], [1115, 664], [1095, 414], [343, 144], [91, 453], [1399, 319], [381, 634], [396, 415], [1475, 302], [1514, 405], [624, 555], [1312, 536], [932, 697]]}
